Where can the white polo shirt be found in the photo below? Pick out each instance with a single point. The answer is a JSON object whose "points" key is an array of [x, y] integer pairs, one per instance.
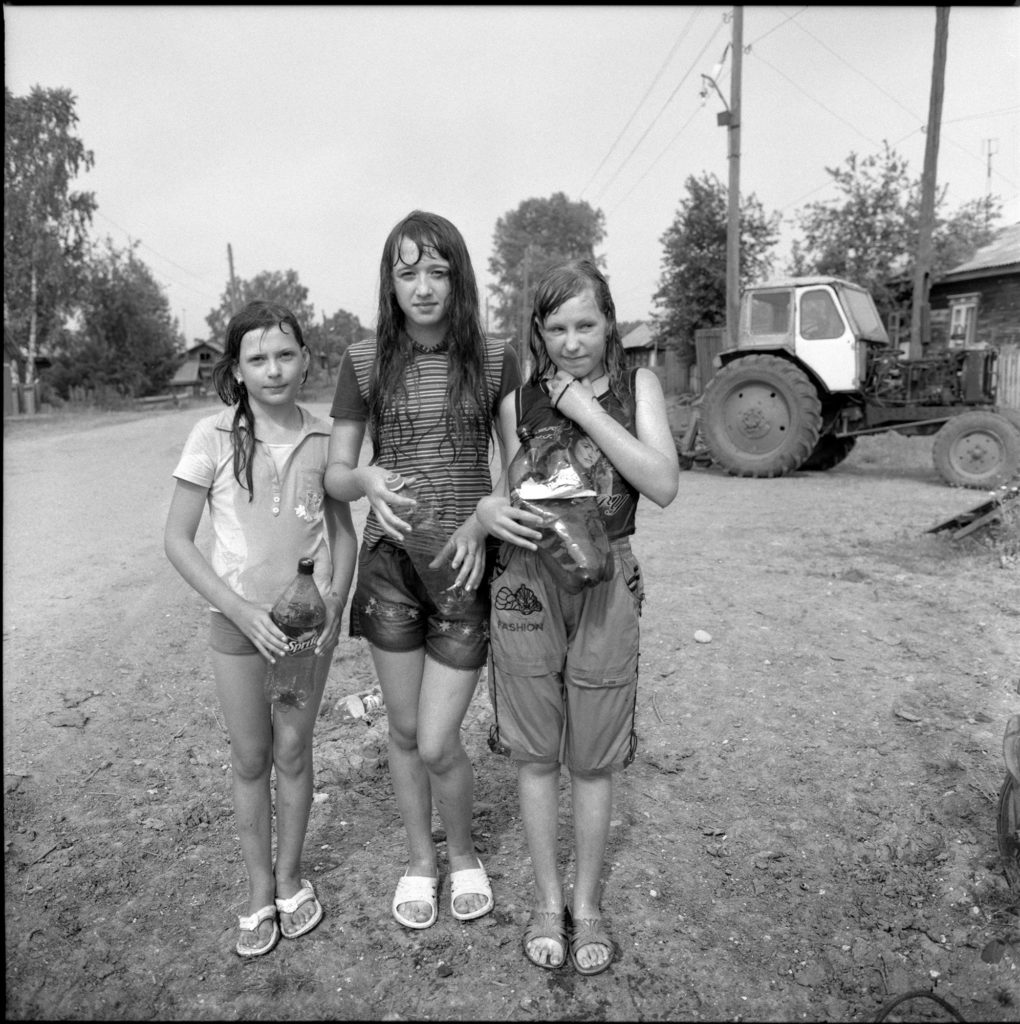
{"points": [[257, 544]]}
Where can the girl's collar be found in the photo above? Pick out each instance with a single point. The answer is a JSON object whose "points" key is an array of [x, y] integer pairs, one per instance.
{"points": [[425, 350]]}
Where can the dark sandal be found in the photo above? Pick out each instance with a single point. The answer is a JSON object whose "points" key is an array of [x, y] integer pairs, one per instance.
{"points": [[547, 924], [589, 931]]}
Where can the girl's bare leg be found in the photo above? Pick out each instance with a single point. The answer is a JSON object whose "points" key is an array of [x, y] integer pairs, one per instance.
{"points": [[445, 696], [239, 680], [292, 755], [538, 787], [400, 678], [593, 801]]}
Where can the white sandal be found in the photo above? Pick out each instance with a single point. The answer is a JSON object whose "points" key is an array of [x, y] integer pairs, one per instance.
{"points": [[416, 889], [290, 905], [470, 881], [251, 924]]}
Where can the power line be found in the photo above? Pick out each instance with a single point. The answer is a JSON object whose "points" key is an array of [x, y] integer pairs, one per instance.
{"points": [[669, 145], [831, 113], [669, 100], [662, 68]]}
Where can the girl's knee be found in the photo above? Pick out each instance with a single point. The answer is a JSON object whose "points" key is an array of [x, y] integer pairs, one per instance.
{"points": [[440, 756], [251, 765]]}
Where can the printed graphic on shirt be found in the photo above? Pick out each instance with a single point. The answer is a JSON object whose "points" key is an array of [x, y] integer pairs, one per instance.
{"points": [[523, 600], [310, 497]]}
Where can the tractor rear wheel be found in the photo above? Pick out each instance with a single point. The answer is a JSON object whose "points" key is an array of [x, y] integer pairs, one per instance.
{"points": [[978, 449], [761, 416]]}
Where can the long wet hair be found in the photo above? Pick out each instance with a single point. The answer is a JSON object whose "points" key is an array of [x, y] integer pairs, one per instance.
{"points": [[469, 406], [257, 315], [559, 284]]}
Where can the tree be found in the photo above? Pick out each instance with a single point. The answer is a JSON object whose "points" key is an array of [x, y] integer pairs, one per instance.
{"points": [[692, 289], [869, 234], [124, 337], [529, 240], [273, 286], [333, 336], [45, 222]]}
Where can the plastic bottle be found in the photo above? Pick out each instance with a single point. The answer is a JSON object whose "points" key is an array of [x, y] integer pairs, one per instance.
{"points": [[545, 481], [300, 612], [361, 705], [425, 540]]}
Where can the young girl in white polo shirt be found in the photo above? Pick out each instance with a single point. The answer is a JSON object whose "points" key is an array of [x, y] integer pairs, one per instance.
{"points": [[259, 466]]}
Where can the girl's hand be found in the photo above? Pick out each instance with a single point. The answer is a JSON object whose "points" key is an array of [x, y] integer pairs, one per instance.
{"points": [[572, 397], [331, 627], [257, 625], [381, 487], [466, 552], [508, 523]]}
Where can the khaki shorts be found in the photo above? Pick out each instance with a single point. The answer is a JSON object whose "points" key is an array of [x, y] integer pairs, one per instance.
{"points": [[564, 667]]}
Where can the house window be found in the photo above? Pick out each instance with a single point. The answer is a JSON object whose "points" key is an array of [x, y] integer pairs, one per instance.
{"points": [[962, 320]]}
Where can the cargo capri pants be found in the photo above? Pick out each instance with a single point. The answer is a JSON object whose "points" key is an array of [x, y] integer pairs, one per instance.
{"points": [[563, 667]]}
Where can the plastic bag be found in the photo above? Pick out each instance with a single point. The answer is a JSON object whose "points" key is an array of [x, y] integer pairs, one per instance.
{"points": [[546, 479]]}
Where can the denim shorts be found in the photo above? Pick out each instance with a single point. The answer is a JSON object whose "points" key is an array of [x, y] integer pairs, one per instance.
{"points": [[393, 611], [563, 679]]}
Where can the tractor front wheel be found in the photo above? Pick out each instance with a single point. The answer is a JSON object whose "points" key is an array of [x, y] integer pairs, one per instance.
{"points": [[979, 449]]}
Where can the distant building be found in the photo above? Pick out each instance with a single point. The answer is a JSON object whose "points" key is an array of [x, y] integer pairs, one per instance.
{"points": [[977, 304], [194, 375], [640, 347]]}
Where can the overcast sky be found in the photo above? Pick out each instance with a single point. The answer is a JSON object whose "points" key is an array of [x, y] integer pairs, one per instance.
{"points": [[300, 135]]}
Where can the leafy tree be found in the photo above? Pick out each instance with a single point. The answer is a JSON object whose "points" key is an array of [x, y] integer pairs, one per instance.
{"points": [[45, 222], [530, 239], [869, 235], [333, 336], [692, 290], [124, 338], [273, 286]]}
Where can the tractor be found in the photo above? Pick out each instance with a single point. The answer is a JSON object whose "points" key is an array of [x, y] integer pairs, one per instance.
{"points": [[813, 369]]}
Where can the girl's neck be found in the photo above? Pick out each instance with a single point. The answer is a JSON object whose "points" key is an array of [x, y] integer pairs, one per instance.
{"points": [[278, 423], [427, 336]]}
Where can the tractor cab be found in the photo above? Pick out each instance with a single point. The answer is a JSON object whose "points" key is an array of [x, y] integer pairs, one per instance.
{"points": [[823, 323]]}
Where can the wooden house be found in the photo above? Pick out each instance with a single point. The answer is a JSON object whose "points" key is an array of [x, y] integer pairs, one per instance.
{"points": [[194, 375], [977, 304]]}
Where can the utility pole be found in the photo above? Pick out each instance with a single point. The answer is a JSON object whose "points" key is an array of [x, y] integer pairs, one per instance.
{"points": [[733, 212], [233, 280], [926, 220], [988, 179]]}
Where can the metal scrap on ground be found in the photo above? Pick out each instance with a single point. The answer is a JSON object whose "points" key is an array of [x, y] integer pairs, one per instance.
{"points": [[985, 514]]}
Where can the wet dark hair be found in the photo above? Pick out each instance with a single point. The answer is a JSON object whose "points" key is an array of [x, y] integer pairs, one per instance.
{"points": [[258, 314], [559, 284], [469, 406]]}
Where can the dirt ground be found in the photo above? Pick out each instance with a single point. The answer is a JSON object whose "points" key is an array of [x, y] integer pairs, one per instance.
{"points": [[808, 830]]}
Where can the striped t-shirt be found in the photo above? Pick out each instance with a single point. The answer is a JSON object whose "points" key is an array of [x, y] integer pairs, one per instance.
{"points": [[425, 451]]}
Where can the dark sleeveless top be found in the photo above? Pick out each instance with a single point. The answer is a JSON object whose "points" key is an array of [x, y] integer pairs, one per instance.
{"points": [[617, 499]]}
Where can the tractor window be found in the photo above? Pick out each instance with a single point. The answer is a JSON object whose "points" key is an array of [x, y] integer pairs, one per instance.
{"points": [[770, 313], [819, 317]]}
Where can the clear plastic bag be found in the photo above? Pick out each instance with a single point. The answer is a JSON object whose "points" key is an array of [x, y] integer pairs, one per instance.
{"points": [[546, 479]]}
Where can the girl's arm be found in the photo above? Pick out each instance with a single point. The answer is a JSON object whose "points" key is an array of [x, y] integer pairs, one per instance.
{"points": [[343, 547], [494, 511], [347, 481], [182, 521], [647, 461]]}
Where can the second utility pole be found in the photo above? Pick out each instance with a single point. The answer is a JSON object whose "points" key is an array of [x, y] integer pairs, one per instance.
{"points": [[733, 215]]}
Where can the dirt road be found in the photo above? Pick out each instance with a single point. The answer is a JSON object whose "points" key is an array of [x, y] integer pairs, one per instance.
{"points": [[807, 832]]}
